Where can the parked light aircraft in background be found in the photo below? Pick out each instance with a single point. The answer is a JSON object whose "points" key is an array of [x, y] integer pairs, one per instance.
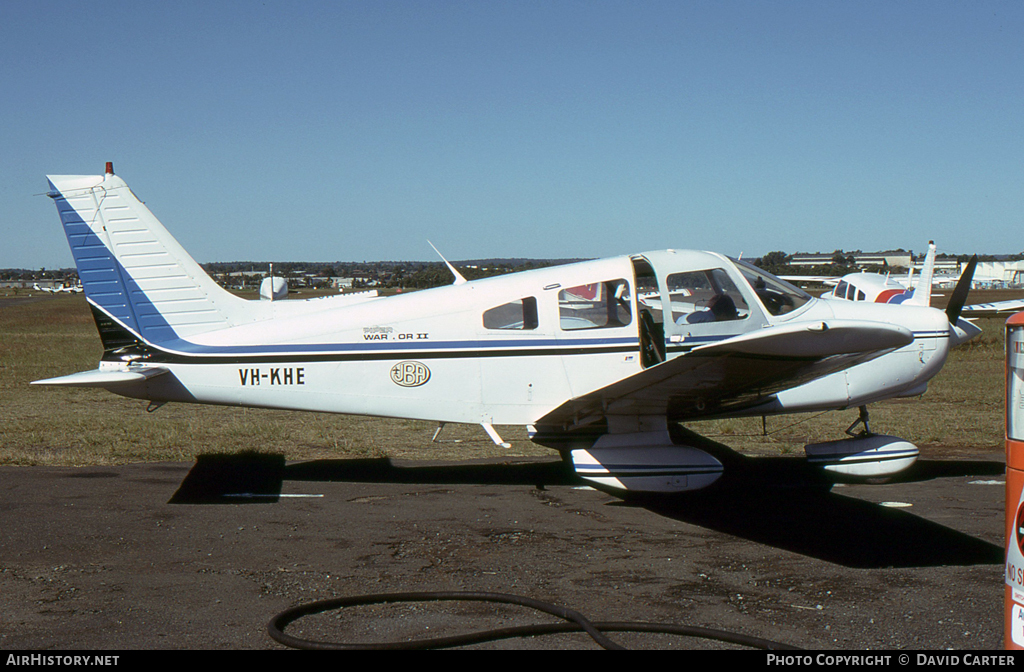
{"points": [[59, 289], [878, 288], [601, 360]]}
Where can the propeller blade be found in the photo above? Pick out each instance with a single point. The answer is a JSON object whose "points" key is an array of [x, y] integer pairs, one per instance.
{"points": [[959, 295]]}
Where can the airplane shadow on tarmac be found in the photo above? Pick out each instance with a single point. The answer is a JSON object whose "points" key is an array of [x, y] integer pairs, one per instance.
{"points": [[257, 478], [780, 502], [785, 503]]}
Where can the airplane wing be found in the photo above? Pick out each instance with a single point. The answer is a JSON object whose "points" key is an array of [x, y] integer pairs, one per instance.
{"points": [[813, 279], [734, 373], [996, 309]]}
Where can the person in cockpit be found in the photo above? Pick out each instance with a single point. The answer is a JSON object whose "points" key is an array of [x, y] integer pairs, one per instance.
{"points": [[721, 307]]}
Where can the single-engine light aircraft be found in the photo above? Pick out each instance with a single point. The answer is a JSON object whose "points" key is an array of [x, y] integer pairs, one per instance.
{"points": [[601, 360], [878, 288], [59, 289]]}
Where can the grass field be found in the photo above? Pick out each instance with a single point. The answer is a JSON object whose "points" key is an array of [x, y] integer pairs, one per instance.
{"points": [[47, 336]]}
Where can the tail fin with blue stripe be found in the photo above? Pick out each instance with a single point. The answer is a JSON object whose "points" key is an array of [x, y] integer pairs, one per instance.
{"points": [[131, 268]]}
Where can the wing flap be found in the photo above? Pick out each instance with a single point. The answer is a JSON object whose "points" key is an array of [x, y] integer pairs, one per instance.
{"points": [[737, 372]]}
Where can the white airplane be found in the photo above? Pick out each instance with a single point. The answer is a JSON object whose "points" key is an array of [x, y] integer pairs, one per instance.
{"points": [[878, 288], [60, 289], [569, 351]]}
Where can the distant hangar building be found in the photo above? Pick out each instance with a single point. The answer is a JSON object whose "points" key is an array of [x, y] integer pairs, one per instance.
{"points": [[892, 259], [999, 273]]}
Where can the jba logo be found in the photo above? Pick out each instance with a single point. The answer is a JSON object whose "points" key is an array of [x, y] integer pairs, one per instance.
{"points": [[410, 374]]}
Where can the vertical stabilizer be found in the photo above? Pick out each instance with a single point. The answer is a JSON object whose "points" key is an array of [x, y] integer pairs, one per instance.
{"points": [[922, 295], [131, 268]]}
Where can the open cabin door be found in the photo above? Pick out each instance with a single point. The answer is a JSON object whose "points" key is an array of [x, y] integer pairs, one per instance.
{"points": [[687, 299], [650, 313]]}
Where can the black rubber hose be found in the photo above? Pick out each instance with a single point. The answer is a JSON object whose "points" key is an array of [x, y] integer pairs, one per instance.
{"points": [[575, 622]]}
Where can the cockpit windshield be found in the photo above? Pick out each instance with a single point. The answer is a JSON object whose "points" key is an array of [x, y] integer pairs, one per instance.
{"points": [[778, 296]]}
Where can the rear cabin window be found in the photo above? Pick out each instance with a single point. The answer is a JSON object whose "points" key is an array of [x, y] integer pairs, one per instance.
{"points": [[599, 305], [520, 314]]}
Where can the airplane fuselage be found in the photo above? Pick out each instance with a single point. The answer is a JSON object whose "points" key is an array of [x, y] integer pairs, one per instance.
{"points": [[434, 355]]}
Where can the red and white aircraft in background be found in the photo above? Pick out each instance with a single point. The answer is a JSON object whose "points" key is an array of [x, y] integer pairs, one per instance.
{"points": [[878, 288]]}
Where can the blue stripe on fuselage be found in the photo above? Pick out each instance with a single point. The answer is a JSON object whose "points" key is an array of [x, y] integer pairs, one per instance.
{"points": [[189, 348]]}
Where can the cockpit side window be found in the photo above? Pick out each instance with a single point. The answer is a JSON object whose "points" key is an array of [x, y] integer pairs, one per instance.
{"points": [[705, 296], [598, 305], [778, 296], [520, 314]]}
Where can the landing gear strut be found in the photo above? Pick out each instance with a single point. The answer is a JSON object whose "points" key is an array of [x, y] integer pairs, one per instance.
{"points": [[861, 420]]}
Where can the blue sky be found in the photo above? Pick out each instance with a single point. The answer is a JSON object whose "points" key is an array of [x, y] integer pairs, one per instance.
{"points": [[325, 131]]}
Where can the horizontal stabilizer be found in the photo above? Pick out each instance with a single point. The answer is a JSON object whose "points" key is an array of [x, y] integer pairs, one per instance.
{"points": [[105, 378]]}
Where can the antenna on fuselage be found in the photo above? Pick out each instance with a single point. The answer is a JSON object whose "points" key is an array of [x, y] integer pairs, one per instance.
{"points": [[459, 279]]}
